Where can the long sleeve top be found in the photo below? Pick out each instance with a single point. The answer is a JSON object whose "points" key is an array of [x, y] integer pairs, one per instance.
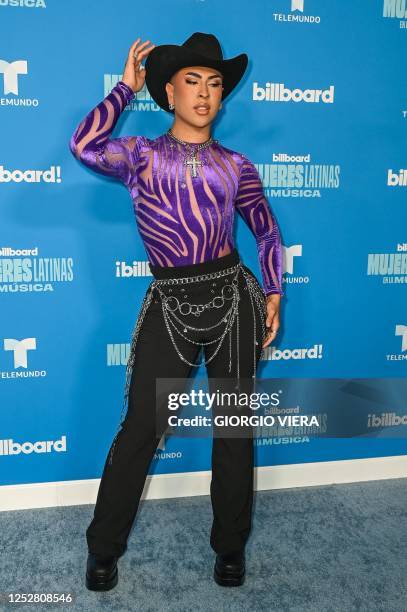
{"points": [[181, 219]]}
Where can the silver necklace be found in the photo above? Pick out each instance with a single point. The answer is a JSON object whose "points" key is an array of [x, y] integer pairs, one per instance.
{"points": [[257, 300], [190, 152]]}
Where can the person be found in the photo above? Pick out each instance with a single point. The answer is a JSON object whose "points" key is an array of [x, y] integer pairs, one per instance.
{"points": [[185, 187]]}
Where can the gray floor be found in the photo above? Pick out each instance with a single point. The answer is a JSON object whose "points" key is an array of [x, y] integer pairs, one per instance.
{"points": [[337, 548]]}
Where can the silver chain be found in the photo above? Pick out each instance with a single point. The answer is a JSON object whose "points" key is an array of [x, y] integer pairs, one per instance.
{"points": [[196, 279], [189, 152], [130, 362], [198, 146], [257, 299]]}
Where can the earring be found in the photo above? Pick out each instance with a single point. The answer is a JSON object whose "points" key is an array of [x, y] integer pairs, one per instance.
{"points": [[171, 106], [220, 105]]}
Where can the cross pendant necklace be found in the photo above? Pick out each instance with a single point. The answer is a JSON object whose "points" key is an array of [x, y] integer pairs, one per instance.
{"points": [[193, 162], [191, 159]]}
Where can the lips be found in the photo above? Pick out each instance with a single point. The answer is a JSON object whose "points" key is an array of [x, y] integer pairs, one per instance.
{"points": [[202, 107]]}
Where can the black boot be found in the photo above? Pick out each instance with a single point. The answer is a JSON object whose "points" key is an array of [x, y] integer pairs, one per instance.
{"points": [[101, 572], [230, 568]]}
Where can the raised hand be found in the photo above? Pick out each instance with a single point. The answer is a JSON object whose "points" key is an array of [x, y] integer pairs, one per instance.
{"points": [[134, 72]]}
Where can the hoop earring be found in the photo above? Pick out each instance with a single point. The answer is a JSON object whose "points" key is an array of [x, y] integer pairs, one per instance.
{"points": [[171, 106]]}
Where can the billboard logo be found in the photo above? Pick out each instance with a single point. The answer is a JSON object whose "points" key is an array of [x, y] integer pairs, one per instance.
{"points": [[137, 268], [397, 180], [278, 92], [9, 447]]}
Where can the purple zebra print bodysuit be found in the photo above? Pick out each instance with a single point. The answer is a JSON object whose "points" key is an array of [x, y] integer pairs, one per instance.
{"points": [[181, 219]]}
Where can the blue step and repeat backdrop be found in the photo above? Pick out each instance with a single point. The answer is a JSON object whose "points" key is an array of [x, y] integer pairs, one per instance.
{"points": [[321, 111]]}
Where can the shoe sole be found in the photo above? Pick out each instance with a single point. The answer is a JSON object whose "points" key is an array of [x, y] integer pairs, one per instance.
{"points": [[230, 580], [102, 585]]}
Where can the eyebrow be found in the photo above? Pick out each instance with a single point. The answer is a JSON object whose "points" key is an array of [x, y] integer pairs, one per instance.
{"points": [[212, 76]]}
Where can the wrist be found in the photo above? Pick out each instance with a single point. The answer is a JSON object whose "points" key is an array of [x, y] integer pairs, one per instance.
{"points": [[273, 298], [127, 88]]}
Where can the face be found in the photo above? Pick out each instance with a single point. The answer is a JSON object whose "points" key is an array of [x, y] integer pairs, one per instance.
{"points": [[194, 86]]}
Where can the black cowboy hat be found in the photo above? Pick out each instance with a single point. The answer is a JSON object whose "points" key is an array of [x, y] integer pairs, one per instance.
{"points": [[200, 49]]}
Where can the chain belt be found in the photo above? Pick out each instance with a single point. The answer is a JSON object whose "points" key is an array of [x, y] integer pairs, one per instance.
{"points": [[170, 304], [197, 278]]}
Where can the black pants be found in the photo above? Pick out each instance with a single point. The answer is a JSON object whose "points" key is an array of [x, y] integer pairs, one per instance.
{"points": [[123, 480]]}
